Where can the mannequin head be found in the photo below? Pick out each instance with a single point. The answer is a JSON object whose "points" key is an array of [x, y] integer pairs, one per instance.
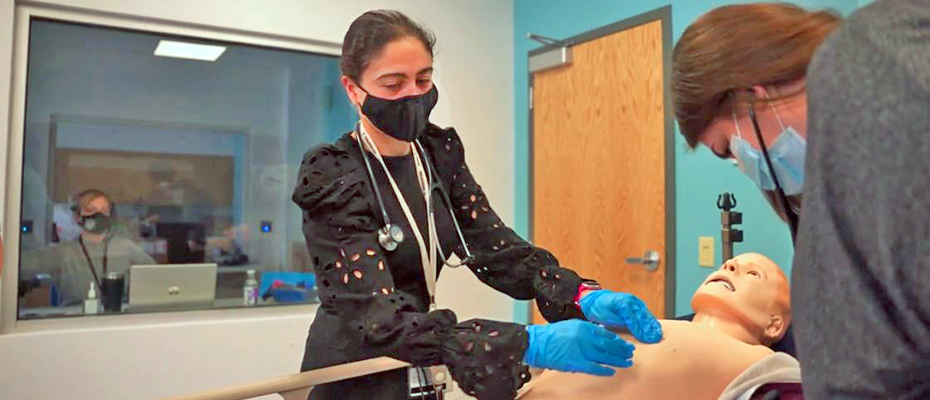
{"points": [[751, 291]]}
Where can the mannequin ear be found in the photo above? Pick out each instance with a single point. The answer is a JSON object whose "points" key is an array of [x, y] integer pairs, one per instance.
{"points": [[775, 329]]}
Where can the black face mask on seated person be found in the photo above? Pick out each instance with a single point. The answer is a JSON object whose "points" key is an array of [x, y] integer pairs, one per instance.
{"points": [[96, 223], [404, 118]]}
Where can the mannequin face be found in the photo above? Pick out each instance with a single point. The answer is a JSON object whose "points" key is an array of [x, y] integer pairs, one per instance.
{"points": [[751, 289]]}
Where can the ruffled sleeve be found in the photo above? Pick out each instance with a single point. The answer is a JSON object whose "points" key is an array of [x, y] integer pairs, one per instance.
{"points": [[502, 259], [340, 224]]}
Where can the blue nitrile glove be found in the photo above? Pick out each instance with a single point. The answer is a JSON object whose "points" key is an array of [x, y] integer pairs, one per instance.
{"points": [[622, 310], [577, 346]]}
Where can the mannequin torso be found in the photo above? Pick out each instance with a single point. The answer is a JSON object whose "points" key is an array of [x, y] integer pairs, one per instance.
{"points": [[693, 361], [739, 309]]}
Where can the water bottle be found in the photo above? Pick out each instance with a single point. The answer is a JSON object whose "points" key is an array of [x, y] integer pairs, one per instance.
{"points": [[250, 289], [92, 303], [112, 289]]}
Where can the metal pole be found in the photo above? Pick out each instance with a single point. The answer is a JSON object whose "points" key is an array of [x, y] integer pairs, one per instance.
{"points": [[728, 234]]}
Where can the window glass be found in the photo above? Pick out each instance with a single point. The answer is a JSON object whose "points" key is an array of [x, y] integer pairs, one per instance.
{"points": [[158, 170]]}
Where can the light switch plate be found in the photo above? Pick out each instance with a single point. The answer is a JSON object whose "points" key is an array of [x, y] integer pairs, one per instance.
{"points": [[706, 251]]}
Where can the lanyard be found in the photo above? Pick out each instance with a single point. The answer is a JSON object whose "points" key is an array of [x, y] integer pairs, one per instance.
{"points": [[90, 264], [427, 257]]}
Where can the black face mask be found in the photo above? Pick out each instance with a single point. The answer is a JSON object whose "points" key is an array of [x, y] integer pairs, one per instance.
{"points": [[403, 119], [96, 223]]}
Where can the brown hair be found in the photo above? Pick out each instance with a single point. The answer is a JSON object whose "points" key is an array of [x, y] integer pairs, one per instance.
{"points": [[373, 30], [88, 196], [732, 48]]}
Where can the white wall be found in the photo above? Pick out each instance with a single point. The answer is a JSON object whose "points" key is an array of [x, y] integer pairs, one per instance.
{"points": [[153, 360]]}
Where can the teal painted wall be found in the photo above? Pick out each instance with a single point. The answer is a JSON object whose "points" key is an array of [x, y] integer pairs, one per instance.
{"points": [[699, 176]]}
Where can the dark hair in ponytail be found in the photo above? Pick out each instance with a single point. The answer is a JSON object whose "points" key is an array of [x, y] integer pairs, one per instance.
{"points": [[373, 30]]}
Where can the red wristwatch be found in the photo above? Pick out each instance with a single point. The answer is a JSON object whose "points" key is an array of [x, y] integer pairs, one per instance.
{"points": [[585, 285]]}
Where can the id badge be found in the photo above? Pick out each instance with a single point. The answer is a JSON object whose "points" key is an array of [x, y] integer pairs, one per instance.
{"points": [[429, 381]]}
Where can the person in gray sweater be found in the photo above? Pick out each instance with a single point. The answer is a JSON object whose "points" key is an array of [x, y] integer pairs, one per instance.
{"points": [[739, 80], [99, 250], [862, 268], [739, 86]]}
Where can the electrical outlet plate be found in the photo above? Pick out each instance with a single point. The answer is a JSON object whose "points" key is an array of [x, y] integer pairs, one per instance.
{"points": [[706, 251]]}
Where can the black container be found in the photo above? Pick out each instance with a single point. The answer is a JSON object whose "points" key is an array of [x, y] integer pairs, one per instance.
{"points": [[112, 289]]}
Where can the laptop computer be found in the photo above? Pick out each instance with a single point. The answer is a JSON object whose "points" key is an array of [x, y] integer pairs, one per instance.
{"points": [[171, 286]]}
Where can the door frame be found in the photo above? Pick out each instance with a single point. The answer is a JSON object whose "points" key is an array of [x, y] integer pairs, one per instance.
{"points": [[663, 14]]}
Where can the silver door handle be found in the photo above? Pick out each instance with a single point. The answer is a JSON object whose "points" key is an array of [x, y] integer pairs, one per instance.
{"points": [[651, 260]]}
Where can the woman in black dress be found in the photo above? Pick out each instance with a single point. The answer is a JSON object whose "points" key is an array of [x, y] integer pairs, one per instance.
{"points": [[386, 204]]}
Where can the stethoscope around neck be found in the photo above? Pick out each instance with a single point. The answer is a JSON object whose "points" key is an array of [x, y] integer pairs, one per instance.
{"points": [[390, 236]]}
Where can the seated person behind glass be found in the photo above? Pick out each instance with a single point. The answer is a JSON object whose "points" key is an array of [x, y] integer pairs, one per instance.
{"points": [[739, 311], [97, 251], [227, 250]]}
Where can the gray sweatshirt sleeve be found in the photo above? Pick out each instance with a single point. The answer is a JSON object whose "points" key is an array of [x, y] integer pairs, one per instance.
{"points": [[861, 275], [138, 256]]}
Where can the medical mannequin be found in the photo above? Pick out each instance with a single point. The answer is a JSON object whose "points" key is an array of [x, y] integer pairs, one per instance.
{"points": [[740, 310]]}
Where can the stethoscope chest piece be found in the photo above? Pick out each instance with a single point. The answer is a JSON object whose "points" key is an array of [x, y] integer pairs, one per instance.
{"points": [[390, 236]]}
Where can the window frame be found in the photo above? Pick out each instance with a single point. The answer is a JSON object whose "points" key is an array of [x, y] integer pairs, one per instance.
{"points": [[13, 170]]}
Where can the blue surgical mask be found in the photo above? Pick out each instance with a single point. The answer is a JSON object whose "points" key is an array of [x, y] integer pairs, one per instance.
{"points": [[786, 153]]}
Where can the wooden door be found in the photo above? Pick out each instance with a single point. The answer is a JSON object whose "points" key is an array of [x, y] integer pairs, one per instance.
{"points": [[599, 160]]}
